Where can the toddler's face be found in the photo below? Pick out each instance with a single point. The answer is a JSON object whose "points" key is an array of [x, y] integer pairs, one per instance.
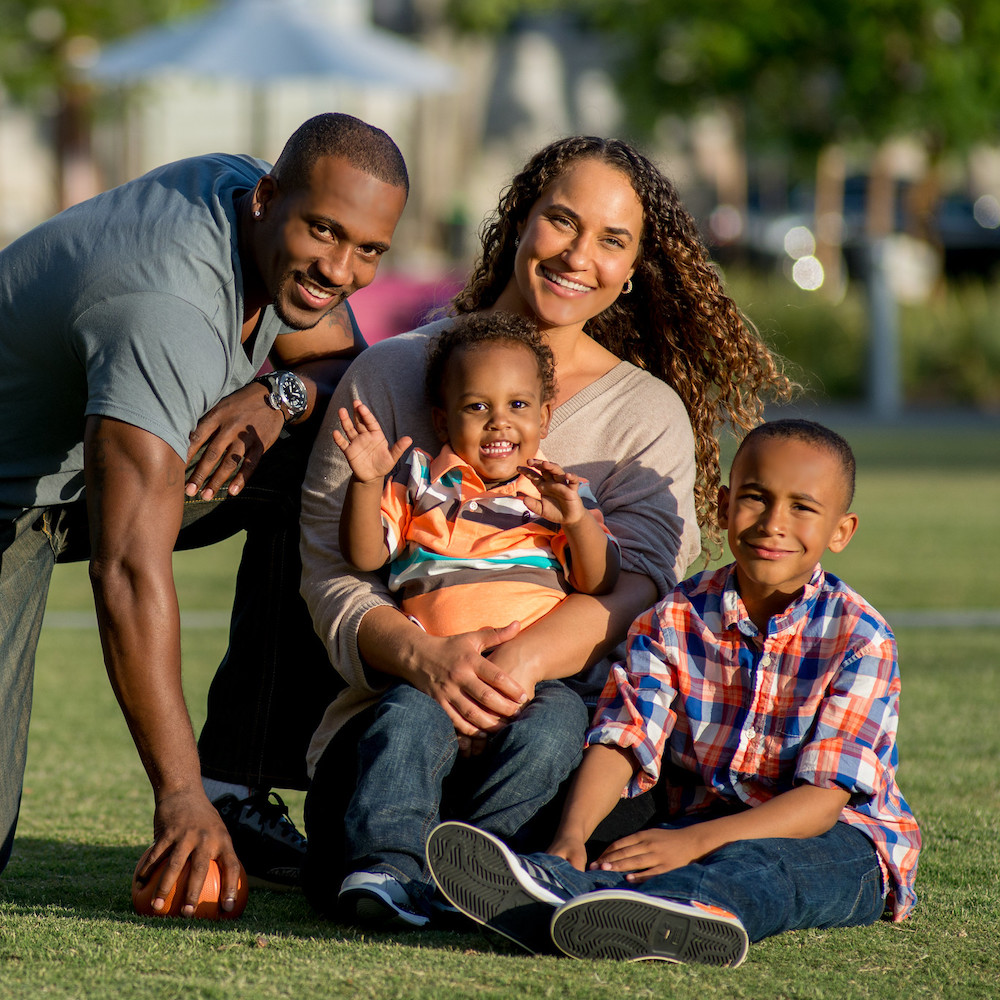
{"points": [[494, 416]]}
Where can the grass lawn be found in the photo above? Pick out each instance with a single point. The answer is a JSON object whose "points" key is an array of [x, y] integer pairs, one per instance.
{"points": [[928, 542]]}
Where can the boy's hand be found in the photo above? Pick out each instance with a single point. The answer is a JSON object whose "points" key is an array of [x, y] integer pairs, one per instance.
{"points": [[572, 849], [560, 492], [364, 445], [652, 852]]}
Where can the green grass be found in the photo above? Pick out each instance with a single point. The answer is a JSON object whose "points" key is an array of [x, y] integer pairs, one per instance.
{"points": [[929, 540]]}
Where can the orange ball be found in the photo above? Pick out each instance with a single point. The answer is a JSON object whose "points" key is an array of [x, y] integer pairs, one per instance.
{"points": [[208, 907]]}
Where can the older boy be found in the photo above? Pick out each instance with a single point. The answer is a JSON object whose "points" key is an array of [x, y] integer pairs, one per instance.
{"points": [[769, 689]]}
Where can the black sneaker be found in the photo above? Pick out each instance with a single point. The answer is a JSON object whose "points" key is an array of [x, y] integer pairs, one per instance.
{"points": [[630, 926], [265, 839], [487, 881]]}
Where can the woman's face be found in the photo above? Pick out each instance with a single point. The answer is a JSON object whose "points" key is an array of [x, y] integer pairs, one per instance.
{"points": [[578, 246]]}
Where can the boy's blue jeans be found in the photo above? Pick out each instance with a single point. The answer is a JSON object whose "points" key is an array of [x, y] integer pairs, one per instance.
{"points": [[772, 885], [384, 783]]}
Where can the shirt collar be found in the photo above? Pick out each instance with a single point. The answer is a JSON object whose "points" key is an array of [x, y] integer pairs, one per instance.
{"points": [[446, 461], [734, 612]]}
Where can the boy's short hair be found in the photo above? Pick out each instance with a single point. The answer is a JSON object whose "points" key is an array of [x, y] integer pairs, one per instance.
{"points": [[476, 329], [811, 433], [364, 146]]}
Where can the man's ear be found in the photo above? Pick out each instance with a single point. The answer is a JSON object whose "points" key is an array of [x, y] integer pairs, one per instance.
{"points": [[440, 420], [263, 194], [546, 414], [722, 507], [843, 533]]}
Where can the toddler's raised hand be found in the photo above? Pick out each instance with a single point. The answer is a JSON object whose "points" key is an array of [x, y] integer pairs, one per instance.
{"points": [[560, 492], [364, 445]]}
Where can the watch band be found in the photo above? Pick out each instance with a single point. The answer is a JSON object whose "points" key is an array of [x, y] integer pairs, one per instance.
{"points": [[287, 393]]}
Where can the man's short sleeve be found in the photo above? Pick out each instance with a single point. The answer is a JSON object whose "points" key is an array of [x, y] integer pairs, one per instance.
{"points": [[153, 361]]}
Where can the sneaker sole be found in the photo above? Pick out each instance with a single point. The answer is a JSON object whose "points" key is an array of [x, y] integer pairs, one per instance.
{"points": [[374, 909], [630, 927], [481, 877]]}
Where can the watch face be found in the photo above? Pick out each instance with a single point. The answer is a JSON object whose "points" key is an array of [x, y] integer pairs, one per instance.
{"points": [[293, 393]]}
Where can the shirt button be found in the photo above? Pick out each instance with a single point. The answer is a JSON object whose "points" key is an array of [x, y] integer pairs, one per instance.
{"points": [[473, 505], [751, 735], [765, 660]]}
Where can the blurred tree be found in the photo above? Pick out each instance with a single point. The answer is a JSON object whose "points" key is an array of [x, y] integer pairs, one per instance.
{"points": [[44, 44], [40, 39], [802, 74]]}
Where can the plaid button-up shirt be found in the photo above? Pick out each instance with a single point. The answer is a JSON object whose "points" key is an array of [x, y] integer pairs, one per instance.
{"points": [[737, 717]]}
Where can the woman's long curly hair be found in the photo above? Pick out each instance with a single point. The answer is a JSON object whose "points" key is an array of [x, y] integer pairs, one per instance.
{"points": [[677, 323]]}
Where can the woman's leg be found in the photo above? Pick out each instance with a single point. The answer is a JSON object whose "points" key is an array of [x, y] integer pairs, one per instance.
{"points": [[402, 760], [505, 789]]}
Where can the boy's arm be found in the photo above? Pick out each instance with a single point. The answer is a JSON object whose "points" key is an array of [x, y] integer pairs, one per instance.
{"points": [[802, 812], [596, 787], [594, 561], [362, 536]]}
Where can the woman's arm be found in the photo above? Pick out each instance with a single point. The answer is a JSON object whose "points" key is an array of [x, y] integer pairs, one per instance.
{"points": [[580, 632]]}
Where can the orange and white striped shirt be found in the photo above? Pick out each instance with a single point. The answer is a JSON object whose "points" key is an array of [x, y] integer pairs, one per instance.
{"points": [[465, 557]]}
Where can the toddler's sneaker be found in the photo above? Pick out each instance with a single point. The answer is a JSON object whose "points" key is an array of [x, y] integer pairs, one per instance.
{"points": [[378, 900], [488, 882], [632, 927]]}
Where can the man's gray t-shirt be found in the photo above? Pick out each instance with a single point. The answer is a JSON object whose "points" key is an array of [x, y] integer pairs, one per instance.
{"points": [[129, 305]]}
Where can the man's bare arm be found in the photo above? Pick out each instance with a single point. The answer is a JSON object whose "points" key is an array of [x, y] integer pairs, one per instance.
{"points": [[135, 492]]}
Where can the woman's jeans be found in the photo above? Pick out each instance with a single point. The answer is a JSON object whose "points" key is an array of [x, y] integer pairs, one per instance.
{"points": [[275, 680], [394, 772], [772, 885]]}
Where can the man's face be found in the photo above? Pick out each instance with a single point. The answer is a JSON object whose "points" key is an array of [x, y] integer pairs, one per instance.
{"points": [[317, 245]]}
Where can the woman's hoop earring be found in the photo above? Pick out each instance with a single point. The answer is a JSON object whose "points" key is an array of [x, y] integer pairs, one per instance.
{"points": [[627, 287]]}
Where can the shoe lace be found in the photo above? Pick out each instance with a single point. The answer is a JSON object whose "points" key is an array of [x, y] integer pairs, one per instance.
{"points": [[274, 816]]}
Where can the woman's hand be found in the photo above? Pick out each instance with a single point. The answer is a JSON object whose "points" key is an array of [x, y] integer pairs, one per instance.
{"points": [[477, 695]]}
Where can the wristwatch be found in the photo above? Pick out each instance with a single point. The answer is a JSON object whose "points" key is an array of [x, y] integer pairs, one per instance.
{"points": [[288, 393]]}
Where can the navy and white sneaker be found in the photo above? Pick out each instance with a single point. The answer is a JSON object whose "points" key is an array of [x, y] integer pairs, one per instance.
{"points": [[629, 926], [376, 899], [488, 882]]}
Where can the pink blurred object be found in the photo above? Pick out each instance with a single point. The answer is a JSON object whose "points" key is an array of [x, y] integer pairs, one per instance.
{"points": [[394, 303]]}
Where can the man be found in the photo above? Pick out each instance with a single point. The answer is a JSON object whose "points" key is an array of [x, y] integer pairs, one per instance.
{"points": [[131, 329]]}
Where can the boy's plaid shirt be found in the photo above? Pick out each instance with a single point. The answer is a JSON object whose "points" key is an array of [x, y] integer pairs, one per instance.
{"points": [[742, 717]]}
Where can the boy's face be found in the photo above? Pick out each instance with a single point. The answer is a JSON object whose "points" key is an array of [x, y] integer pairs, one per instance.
{"points": [[494, 415], [783, 508]]}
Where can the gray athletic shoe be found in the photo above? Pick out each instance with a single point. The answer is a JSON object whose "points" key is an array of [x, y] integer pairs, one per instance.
{"points": [[488, 882], [376, 899], [632, 927]]}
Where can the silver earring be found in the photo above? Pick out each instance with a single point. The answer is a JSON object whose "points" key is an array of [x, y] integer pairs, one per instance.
{"points": [[517, 242], [256, 213], [627, 287]]}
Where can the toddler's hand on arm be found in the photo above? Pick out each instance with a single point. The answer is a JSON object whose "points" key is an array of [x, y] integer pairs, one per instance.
{"points": [[364, 445], [560, 492]]}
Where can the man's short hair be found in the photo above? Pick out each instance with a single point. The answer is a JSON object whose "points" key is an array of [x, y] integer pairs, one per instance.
{"points": [[811, 433], [334, 134], [476, 329]]}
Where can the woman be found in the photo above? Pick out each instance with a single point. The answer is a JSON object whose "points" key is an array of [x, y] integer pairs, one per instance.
{"points": [[591, 242]]}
